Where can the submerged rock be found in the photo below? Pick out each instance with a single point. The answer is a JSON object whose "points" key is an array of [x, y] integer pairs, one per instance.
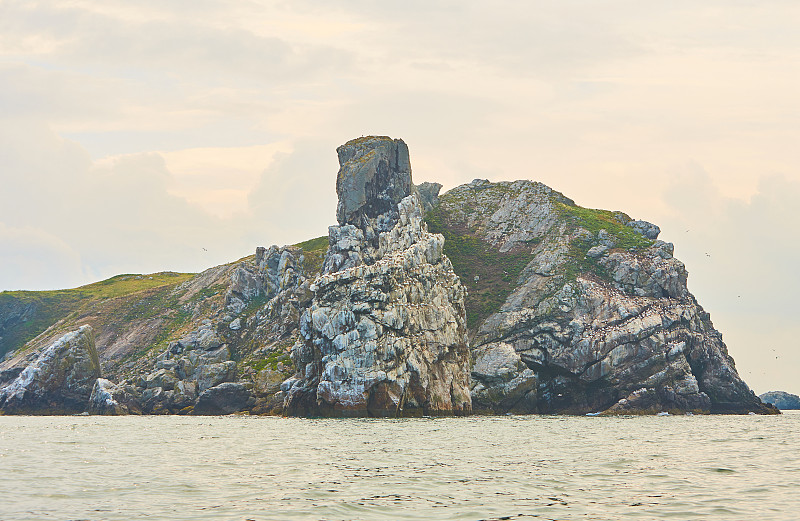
{"points": [[385, 334], [60, 379]]}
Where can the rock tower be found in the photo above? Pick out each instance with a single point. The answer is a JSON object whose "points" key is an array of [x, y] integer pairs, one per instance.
{"points": [[385, 334]]}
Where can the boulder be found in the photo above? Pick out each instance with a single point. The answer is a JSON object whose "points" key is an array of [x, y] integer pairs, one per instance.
{"points": [[211, 375], [225, 398], [645, 228], [110, 399], [428, 195]]}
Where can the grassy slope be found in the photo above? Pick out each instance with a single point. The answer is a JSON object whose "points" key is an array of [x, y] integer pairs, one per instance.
{"points": [[122, 300], [314, 251], [52, 306], [496, 272]]}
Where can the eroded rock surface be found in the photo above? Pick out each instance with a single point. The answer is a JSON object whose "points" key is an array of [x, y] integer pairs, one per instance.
{"points": [[60, 379], [385, 333], [599, 318]]}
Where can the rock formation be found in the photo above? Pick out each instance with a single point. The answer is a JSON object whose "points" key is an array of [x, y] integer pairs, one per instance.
{"points": [[599, 317], [781, 400], [504, 297], [385, 334], [59, 381]]}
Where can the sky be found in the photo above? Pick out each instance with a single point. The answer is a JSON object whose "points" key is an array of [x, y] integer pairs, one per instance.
{"points": [[138, 137]]}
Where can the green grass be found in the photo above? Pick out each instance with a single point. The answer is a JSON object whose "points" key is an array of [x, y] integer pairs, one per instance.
{"points": [[596, 220], [314, 251], [210, 291], [280, 355], [497, 272], [624, 237]]}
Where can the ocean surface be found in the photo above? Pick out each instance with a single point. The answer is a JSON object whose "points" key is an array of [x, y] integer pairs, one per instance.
{"points": [[480, 468]]}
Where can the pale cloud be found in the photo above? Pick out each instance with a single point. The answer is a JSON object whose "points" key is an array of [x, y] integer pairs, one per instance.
{"points": [[219, 179], [33, 259]]}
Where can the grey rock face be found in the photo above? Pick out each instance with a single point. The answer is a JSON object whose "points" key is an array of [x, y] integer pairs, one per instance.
{"points": [[374, 175], [185, 369], [261, 308], [645, 228], [781, 399], [428, 195], [60, 379], [385, 334]]}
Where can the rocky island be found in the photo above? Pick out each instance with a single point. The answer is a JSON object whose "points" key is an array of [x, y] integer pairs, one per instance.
{"points": [[492, 298], [781, 400]]}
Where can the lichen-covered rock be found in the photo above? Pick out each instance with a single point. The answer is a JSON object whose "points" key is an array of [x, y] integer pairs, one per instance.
{"points": [[599, 318], [60, 379], [385, 334]]}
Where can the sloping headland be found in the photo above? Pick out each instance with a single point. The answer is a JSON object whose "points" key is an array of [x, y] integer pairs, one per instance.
{"points": [[491, 298]]}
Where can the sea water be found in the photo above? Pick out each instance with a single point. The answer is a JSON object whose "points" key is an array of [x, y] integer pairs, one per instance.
{"points": [[478, 468]]}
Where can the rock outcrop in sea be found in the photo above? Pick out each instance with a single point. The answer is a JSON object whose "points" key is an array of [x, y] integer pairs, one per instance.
{"points": [[492, 298], [781, 399], [385, 334]]}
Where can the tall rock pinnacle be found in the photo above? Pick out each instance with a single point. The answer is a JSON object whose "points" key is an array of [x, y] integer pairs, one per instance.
{"points": [[386, 331]]}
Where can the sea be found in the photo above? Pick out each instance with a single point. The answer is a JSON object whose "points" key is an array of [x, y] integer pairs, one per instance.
{"points": [[475, 468]]}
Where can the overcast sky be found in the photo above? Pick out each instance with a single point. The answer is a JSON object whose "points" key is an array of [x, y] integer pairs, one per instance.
{"points": [[175, 135]]}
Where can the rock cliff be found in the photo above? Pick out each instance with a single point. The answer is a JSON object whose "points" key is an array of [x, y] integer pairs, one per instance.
{"points": [[385, 334], [591, 312]]}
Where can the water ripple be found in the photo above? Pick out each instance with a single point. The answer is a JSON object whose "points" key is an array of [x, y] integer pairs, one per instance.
{"points": [[472, 469]]}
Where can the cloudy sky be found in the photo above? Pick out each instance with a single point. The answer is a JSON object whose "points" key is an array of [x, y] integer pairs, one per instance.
{"points": [[175, 135]]}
